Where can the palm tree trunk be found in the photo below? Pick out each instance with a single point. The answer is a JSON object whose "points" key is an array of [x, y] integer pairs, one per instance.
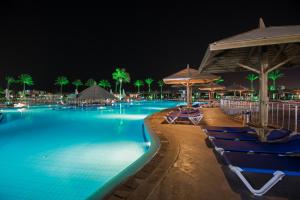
{"points": [[116, 86], [138, 89], [251, 84], [24, 89], [120, 90], [60, 89], [160, 92], [149, 89], [274, 87]]}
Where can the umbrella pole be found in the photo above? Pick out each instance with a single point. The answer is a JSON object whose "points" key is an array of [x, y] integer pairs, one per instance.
{"points": [[191, 95], [187, 94], [263, 102]]}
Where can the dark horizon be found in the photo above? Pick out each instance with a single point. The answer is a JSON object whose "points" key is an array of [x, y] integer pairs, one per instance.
{"points": [[90, 41]]}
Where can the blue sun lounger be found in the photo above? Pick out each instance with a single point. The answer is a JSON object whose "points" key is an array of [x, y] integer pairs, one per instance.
{"points": [[229, 129], [273, 135], [278, 166], [231, 136], [291, 146]]}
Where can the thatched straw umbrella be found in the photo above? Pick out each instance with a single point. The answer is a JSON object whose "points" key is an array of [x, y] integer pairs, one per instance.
{"points": [[211, 88], [261, 50], [188, 77], [237, 88], [94, 93]]}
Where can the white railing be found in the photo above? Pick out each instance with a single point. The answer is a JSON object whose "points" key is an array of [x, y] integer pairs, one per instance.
{"points": [[280, 114]]}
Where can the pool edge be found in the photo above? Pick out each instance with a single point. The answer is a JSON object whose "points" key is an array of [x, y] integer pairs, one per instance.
{"points": [[134, 168]]}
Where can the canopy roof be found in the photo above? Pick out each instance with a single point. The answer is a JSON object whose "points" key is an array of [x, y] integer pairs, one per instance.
{"points": [[94, 93], [236, 87], [282, 44], [211, 87], [189, 75]]}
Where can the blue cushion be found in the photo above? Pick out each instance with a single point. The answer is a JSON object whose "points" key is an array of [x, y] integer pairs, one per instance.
{"points": [[278, 134]]}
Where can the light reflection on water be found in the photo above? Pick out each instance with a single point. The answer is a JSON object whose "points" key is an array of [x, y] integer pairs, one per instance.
{"points": [[68, 154]]}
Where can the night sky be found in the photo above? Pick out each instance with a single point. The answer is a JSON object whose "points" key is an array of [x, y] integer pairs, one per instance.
{"points": [[81, 40]]}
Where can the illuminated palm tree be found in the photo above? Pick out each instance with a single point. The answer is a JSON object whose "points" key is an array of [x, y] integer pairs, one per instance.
{"points": [[160, 83], [1, 91], [149, 81], [274, 75], [220, 80], [138, 84], [90, 82], [61, 81], [121, 76], [77, 83], [104, 83], [25, 79], [252, 77], [9, 80]]}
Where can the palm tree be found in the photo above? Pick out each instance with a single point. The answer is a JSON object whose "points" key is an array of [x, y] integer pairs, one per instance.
{"points": [[77, 83], [104, 83], [9, 81], [160, 84], [149, 81], [220, 80], [138, 84], [61, 81], [1, 90], [121, 76], [90, 82], [25, 79], [252, 77], [274, 75]]}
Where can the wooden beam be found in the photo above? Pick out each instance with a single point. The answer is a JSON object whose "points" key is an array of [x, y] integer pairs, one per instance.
{"points": [[249, 68], [250, 53], [207, 55], [280, 64], [282, 47]]}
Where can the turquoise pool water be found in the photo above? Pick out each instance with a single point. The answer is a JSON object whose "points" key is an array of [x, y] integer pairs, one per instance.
{"points": [[64, 153]]}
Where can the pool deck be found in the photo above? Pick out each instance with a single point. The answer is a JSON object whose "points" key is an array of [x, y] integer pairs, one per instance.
{"points": [[189, 169]]}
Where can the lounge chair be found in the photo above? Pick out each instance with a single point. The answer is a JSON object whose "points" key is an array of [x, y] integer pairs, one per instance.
{"points": [[229, 129], [274, 135], [231, 136], [292, 146], [194, 116], [278, 166]]}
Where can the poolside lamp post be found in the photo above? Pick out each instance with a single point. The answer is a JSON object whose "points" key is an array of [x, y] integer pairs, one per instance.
{"points": [[261, 50]]}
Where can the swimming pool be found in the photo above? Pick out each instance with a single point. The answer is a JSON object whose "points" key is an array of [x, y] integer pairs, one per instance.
{"points": [[63, 153]]}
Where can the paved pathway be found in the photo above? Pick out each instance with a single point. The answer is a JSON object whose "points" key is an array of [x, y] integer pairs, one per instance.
{"points": [[197, 173]]}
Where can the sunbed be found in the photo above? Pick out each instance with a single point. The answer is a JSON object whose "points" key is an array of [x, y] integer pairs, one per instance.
{"points": [[229, 129], [231, 136], [291, 146], [276, 134], [278, 166], [194, 116]]}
